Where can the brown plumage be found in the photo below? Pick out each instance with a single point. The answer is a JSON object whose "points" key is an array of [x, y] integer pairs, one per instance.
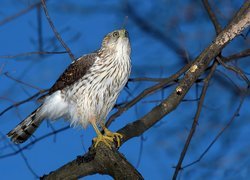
{"points": [[86, 91], [26, 128], [72, 73]]}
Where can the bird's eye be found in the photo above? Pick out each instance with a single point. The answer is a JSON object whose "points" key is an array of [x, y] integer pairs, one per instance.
{"points": [[126, 34], [115, 34]]}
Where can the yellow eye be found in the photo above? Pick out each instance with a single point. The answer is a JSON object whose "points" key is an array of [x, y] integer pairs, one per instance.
{"points": [[115, 34]]}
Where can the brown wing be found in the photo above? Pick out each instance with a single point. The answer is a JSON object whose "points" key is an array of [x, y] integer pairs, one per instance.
{"points": [[75, 71]]}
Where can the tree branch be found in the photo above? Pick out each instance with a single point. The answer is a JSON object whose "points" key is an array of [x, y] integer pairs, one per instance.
{"points": [[20, 13], [114, 163], [23, 101], [195, 121], [241, 54], [100, 160], [235, 27], [234, 69], [146, 92], [235, 115], [32, 53], [212, 16], [55, 31]]}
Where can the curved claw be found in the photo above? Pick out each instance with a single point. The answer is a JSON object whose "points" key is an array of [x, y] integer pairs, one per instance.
{"points": [[105, 139], [117, 136]]}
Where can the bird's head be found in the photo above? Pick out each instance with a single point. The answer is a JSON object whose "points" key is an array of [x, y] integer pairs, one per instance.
{"points": [[116, 41]]}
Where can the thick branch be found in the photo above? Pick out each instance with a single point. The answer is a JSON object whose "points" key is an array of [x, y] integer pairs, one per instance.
{"points": [[146, 92], [115, 163], [100, 160], [240, 22]]}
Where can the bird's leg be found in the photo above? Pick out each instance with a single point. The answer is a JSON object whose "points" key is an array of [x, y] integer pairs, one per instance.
{"points": [[108, 133], [101, 138]]}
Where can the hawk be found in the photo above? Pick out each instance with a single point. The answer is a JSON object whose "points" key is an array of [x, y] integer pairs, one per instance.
{"points": [[86, 92]]}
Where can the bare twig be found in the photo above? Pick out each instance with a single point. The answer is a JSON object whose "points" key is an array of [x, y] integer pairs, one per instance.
{"points": [[142, 139], [229, 79], [90, 163], [21, 82], [23, 101], [146, 79], [22, 155], [235, 69], [159, 35], [234, 28], [195, 121], [33, 142], [31, 53], [212, 16], [239, 55], [146, 92], [236, 114], [39, 28], [28, 164], [20, 13], [55, 31]]}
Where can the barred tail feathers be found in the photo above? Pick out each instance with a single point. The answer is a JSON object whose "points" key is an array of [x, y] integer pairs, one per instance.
{"points": [[26, 128]]}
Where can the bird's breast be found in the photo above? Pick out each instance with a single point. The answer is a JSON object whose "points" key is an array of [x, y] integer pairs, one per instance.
{"points": [[96, 93]]}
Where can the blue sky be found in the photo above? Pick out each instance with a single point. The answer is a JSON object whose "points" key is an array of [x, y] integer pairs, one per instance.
{"points": [[82, 25]]}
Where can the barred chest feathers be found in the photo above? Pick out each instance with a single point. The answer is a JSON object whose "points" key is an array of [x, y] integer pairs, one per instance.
{"points": [[95, 94], [86, 91]]}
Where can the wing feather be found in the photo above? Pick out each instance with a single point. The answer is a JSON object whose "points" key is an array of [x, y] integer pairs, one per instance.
{"points": [[74, 72]]}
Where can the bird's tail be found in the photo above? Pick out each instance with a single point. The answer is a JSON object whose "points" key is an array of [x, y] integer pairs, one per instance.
{"points": [[26, 128]]}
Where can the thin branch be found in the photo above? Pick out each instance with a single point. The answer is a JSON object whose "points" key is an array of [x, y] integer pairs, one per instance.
{"points": [[23, 101], [90, 164], [229, 79], [55, 31], [22, 155], [146, 92], [142, 139], [236, 114], [39, 28], [31, 53], [20, 13], [21, 82], [33, 142], [146, 79], [28, 165], [157, 34], [195, 121], [235, 69], [239, 55], [240, 22], [212, 16]]}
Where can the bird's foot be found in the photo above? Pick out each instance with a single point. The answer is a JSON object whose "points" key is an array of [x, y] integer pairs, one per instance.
{"points": [[102, 138], [117, 137]]}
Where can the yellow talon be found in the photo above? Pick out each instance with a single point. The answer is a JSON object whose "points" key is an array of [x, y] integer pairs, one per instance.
{"points": [[116, 136], [101, 138], [108, 138]]}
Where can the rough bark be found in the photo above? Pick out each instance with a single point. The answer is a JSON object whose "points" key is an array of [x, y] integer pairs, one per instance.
{"points": [[100, 160], [104, 161], [240, 22]]}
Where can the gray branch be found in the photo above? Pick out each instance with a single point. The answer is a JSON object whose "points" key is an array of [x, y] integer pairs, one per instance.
{"points": [[104, 161]]}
